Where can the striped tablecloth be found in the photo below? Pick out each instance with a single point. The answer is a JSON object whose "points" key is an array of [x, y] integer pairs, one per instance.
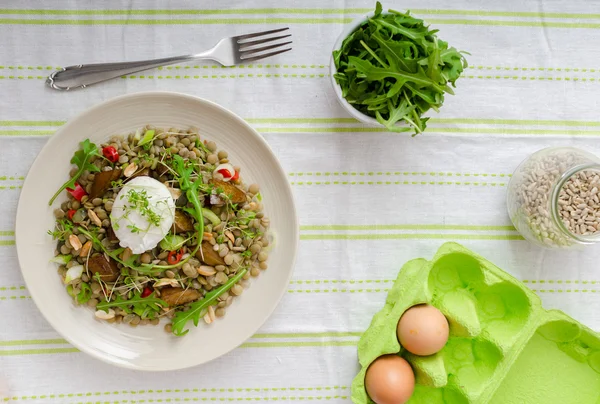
{"points": [[368, 200]]}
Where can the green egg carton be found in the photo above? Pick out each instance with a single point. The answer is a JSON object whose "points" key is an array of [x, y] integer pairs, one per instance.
{"points": [[504, 347]]}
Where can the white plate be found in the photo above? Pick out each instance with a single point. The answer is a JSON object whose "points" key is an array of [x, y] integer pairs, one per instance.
{"points": [[150, 347]]}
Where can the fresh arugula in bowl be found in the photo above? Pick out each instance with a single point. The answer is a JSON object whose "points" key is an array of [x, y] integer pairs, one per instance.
{"points": [[394, 68]]}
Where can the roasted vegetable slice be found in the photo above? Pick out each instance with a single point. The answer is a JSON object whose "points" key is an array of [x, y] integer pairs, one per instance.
{"points": [[102, 182], [107, 270], [235, 194], [175, 296], [208, 255]]}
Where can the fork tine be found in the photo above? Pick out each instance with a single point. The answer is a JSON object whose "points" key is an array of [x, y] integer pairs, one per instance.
{"points": [[247, 36], [245, 45], [254, 52], [266, 55]]}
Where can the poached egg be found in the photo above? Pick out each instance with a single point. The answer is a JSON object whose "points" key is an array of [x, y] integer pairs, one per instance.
{"points": [[142, 214]]}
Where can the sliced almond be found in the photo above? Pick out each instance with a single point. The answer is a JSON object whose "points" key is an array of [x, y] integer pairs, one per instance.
{"points": [[209, 317], [75, 243], [230, 236], [94, 217], [165, 282], [130, 170], [102, 315], [175, 192], [205, 270], [207, 236], [85, 250]]}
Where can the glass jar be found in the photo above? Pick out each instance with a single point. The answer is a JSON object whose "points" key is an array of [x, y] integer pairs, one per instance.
{"points": [[554, 199]]}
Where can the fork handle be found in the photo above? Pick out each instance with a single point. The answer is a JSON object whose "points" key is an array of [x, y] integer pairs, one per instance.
{"points": [[81, 76]]}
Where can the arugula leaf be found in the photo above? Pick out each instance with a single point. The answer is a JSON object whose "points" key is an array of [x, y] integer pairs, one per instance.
{"points": [[82, 159], [137, 302], [372, 73], [85, 295], [395, 114], [184, 172], [182, 317], [148, 138], [394, 68], [378, 9]]}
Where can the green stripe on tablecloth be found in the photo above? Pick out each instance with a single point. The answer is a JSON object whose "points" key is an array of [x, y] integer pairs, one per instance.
{"points": [[240, 11], [361, 129], [281, 335], [316, 11], [24, 68], [221, 76], [207, 21], [7, 178], [363, 183], [377, 183], [333, 339], [375, 290], [263, 21], [393, 173], [18, 132], [10, 288], [407, 227], [416, 236], [37, 351], [178, 391], [291, 344], [55, 341], [32, 123], [221, 399], [309, 334], [465, 120], [384, 290], [432, 129], [334, 282]]}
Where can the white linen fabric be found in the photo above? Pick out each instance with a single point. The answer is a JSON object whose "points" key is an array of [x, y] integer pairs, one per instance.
{"points": [[368, 201]]}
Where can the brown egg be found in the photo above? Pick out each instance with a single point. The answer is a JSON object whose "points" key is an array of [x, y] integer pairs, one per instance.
{"points": [[423, 330], [390, 380]]}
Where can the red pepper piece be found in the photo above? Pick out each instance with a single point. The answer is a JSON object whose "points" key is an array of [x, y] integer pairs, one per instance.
{"points": [[225, 173], [70, 213], [174, 256], [78, 192], [236, 176], [111, 154], [147, 292]]}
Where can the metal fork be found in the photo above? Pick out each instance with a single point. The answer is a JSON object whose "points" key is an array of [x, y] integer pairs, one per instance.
{"points": [[228, 52]]}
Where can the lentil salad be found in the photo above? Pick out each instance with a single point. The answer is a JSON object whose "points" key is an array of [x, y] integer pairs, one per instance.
{"points": [[217, 241]]}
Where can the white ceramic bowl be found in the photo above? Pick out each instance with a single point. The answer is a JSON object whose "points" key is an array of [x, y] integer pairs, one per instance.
{"points": [[150, 347], [350, 28]]}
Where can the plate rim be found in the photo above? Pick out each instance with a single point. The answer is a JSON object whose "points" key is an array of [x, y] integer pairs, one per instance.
{"points": [[55, 137]]}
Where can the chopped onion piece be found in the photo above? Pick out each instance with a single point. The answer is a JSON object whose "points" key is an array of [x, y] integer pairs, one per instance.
{"points": [[61, 259], [74, 273]]}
